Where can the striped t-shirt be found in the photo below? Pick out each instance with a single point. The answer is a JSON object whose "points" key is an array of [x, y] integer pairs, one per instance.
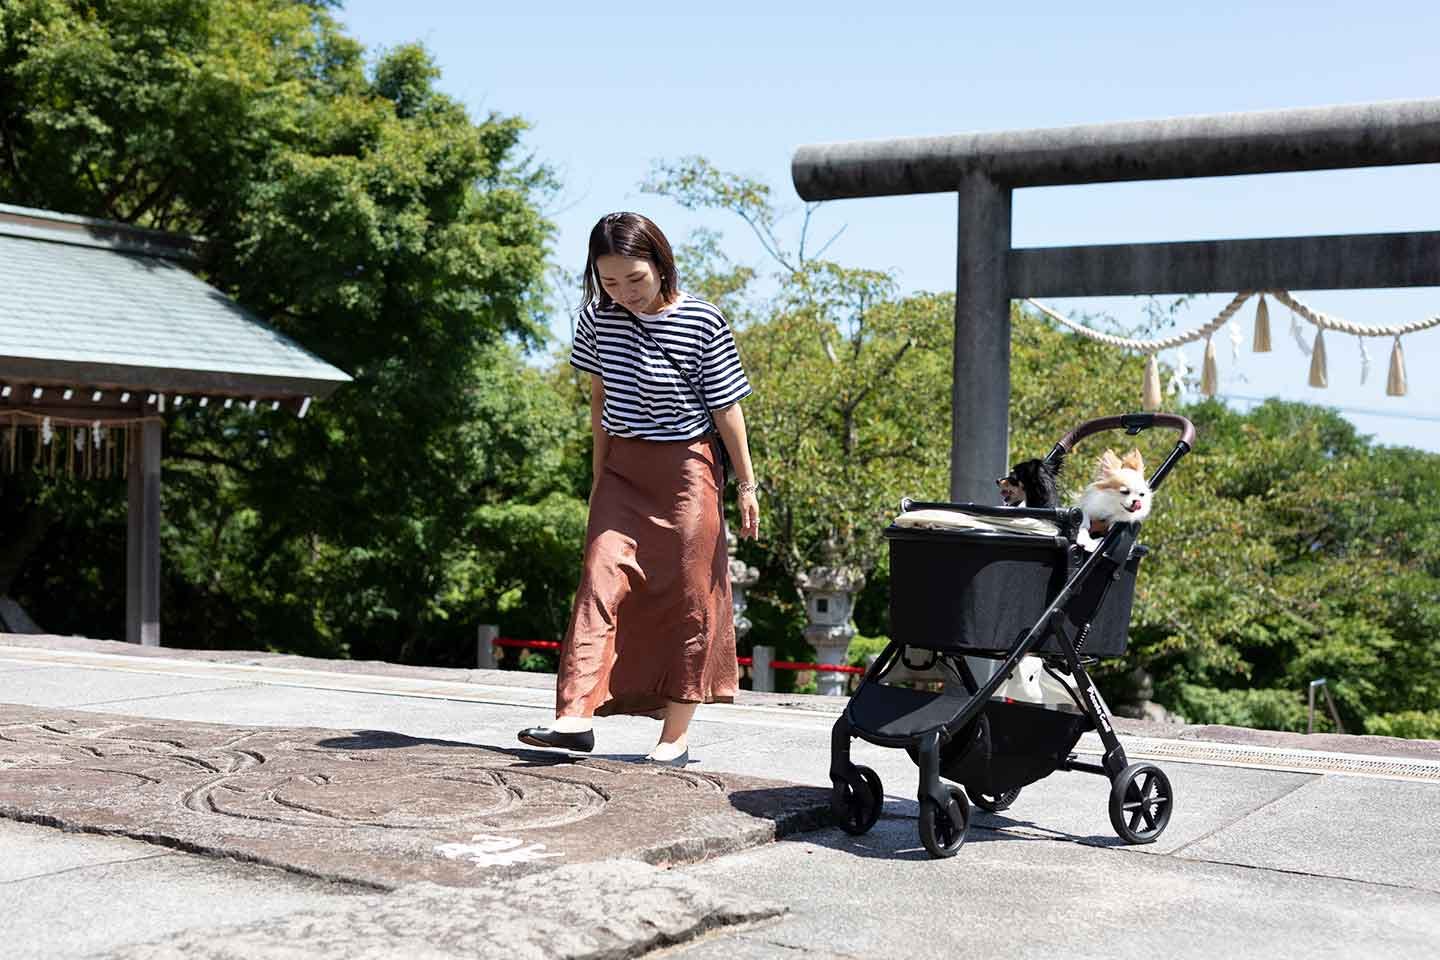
{"points": [[645, 397]]}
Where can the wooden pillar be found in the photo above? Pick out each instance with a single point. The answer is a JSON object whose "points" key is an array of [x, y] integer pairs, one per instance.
{"points": [[762, 674], [485, 646], [980, 395], [142, 566]]}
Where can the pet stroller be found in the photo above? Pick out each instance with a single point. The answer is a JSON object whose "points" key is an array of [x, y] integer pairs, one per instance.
{"points": [[1009, 589]]}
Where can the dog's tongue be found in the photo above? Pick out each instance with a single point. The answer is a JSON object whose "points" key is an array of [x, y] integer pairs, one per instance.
{"points": [[1134, 506]]}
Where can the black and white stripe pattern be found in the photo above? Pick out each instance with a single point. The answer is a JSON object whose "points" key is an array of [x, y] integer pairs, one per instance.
{"points": [[645, 397]]}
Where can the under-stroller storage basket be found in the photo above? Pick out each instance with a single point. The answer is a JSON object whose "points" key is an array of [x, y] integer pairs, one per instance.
{"points": [[963, 590], [1011, 745]]}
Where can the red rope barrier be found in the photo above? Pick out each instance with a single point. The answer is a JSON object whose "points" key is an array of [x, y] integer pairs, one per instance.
{"points": [[534, 644], [821, 667], [742, 661]]}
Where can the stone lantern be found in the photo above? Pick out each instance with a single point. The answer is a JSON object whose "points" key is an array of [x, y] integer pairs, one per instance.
{"points": [[829, 601], [742, 577]]}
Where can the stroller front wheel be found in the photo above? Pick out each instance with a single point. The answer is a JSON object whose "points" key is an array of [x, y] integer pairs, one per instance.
{"points": [[856, 805], [1141, 801], [942, 830]]}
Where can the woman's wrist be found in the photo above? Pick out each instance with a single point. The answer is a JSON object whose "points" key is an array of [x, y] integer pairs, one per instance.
{"points": [[745, 486]]}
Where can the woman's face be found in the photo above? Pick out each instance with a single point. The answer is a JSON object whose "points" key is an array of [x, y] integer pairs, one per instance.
{"points": [[629, 282]]}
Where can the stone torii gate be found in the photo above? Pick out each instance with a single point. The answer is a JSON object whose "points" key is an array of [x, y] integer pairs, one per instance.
{"points": [[983, 169]]}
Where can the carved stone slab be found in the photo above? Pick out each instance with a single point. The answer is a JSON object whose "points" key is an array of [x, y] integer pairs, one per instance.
{"points": [[373, 807]]}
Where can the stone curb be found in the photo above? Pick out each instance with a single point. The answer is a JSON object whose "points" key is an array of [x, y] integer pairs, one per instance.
{"points": [[598, 911]]}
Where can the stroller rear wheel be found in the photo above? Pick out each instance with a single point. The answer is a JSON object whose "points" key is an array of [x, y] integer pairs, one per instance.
{"points": [[856, 805], [942, 830], [1140, 803], [994, 803]]}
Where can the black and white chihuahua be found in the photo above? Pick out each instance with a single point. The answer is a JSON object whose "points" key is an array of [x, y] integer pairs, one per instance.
{"points": [[1030, 483]]}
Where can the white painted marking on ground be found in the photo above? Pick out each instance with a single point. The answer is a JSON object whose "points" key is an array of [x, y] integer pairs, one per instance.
{"points": [[486, 850]]}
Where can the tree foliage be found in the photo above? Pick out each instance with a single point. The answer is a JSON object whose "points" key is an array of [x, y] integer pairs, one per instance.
{"points": [[367, 216], [841, 366]]}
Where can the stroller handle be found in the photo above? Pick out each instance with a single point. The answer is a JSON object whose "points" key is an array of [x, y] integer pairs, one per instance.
{"points": [[1131, 423]]}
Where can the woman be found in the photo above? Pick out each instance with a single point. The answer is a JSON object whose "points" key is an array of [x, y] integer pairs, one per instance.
{"points": [[652, 631]]}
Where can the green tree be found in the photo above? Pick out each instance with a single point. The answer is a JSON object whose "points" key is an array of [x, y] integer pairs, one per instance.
{"points": [[367, 216], [1295, 549], [843, 370], [847, 390], [1286, 547]]}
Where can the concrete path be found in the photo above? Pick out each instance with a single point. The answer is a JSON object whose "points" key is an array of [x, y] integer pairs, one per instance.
{"points": [[1275, 849]]}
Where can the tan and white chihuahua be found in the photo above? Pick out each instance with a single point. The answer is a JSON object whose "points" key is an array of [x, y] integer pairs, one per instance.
{"points": [[1119, 494]]}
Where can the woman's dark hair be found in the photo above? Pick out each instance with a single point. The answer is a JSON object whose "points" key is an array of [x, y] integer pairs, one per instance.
{"points": [[636, 237]]}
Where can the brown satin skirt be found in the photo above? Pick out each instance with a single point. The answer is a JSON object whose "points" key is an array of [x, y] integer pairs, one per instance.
{"points": [[653, 621]]}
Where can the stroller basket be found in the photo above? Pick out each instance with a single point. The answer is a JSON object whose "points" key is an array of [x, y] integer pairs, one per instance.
{"points": [[1013, 744], [974, 590]]}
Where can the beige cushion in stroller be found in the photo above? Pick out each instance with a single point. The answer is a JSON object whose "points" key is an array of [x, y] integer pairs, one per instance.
{"points": [[956, 520]]}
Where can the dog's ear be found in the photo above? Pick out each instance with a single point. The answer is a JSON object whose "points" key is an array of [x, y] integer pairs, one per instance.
{"points": [[1108, 463], [1133, 461]]}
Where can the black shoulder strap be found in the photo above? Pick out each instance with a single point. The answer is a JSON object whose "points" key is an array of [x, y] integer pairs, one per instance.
{"points": [[694, 388]]}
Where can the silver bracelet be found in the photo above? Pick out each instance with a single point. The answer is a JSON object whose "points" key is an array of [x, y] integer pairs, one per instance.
{"points": [[746, 486]]}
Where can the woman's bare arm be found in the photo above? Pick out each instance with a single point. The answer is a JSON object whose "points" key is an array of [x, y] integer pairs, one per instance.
{"points": [[599, 439], [730, 421]]}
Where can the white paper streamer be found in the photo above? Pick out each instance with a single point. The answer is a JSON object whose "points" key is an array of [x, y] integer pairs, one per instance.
{"points": [[1179, 370], [1298, 334]]}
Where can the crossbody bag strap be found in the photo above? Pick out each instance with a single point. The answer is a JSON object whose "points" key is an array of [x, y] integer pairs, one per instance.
{"points": [[698, 391]]}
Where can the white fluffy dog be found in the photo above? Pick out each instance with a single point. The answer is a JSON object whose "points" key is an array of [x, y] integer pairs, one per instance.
{"points": [[1119, 494]]}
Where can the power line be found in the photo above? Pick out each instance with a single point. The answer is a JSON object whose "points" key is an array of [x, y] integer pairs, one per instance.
{"points": [[1363, 411]]}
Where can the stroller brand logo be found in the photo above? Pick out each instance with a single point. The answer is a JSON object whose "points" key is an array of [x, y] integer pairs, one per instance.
{"points": [[1100, 711]]}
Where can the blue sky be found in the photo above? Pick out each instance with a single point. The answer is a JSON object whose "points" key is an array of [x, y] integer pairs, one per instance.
{"points": [[611, 88]]}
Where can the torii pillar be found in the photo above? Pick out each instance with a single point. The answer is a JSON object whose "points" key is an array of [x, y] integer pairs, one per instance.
{"points": [[980, 391]]}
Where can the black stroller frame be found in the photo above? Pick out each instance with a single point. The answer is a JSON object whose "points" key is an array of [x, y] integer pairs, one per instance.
{"points": [[956, 734]]}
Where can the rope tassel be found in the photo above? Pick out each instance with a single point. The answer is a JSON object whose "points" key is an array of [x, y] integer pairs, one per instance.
{"points": [[1261, 343], [1318, 376], [1151, 394], [1208, 378], [1395, 385]]}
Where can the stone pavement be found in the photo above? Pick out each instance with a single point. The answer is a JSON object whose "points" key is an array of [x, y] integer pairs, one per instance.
{"points": [[249, 804]]}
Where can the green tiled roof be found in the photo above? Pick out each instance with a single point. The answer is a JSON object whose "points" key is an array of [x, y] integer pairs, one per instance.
{"points": [[81, 302]]}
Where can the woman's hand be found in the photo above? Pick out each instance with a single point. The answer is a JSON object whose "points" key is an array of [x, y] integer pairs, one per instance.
{"points": [[749, 514]]}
